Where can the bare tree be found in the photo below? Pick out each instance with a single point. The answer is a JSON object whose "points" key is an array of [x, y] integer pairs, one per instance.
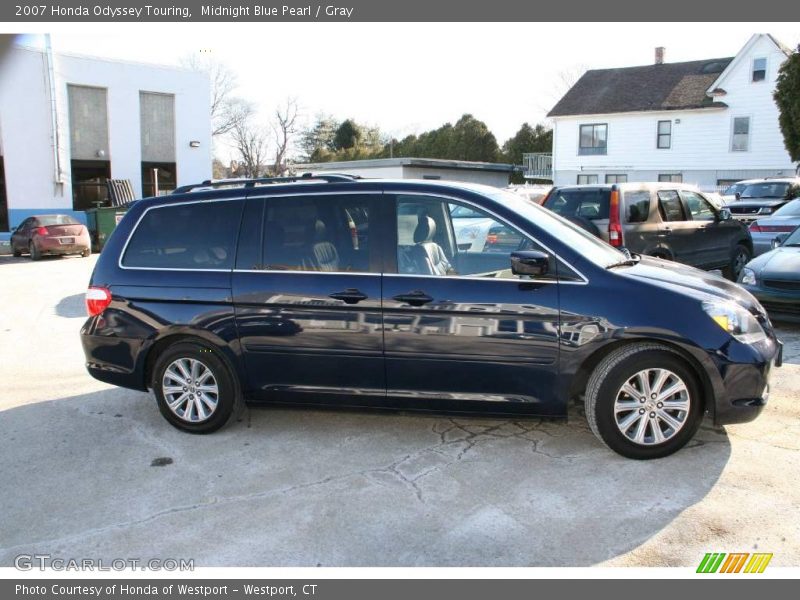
{"points": [[226, 108], [561, 84], [251, 144], [284, 128]]}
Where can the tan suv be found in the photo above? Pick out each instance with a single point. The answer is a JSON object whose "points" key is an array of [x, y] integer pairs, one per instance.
{"points": [[668, 220]]}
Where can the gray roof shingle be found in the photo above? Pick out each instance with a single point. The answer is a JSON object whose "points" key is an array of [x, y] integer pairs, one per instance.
{"points": [[669, 86]]}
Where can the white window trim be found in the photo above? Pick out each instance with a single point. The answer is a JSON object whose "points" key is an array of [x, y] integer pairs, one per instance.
{"points": [[753, 68], [658, 135], [749, 133]]}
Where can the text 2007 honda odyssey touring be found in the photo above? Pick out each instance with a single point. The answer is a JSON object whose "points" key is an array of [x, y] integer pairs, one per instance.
{"points": [[336, 290]]}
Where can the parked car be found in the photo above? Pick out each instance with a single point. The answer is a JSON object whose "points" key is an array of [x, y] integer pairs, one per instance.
{"points": [[774, 278], [766, 229], [764, 198], [732, 192], [667, 220], [43, 235], [263, 293]]}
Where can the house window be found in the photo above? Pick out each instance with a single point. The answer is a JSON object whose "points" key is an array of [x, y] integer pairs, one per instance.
{"points": [[587, 179], [670, 178], [664, 140], [740, 135], [593, 139], [616, 178], [759, 69]]}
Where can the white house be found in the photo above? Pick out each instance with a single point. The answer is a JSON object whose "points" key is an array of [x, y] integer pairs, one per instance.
{"points": [[68, 123], [707, 122]]}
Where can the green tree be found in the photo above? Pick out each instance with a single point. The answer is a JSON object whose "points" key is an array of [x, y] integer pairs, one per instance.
{"points": [[347, 136], [316, 141], [787, 97]]}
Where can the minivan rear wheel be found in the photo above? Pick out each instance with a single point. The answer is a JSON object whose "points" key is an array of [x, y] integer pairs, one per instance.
{"points": [[643, 401], [194, 388]]}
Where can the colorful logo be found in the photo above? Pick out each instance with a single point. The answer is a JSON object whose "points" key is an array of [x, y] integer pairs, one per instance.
{"points": [[735, 562]]}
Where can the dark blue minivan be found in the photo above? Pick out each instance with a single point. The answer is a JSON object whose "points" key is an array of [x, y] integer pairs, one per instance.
{"points": [[356, 292]]}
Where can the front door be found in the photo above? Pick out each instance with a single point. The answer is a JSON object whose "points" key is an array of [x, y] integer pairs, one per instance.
{"points": [[307, 295], [714, 239], [458, 326]]}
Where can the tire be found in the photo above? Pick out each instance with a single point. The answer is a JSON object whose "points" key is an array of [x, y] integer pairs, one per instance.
{"points": [[86, 253], [187, 415], [34, 251], [605, 389], [740, 256]]}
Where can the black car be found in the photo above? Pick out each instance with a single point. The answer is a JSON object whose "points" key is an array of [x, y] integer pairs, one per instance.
{"points": [[774, 278], [675, 221], [335, 290], [762, 198]]}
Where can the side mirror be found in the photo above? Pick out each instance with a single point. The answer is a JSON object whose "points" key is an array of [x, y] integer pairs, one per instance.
{"points": [[530, 262], [778, 241], [738, 196], [725, 214]]}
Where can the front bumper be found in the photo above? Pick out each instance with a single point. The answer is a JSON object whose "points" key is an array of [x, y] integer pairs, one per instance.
{"points": [[745, 383], [781, 305]]}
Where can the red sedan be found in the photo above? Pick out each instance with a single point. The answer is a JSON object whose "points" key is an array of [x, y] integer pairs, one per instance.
{"points": [[51, 234]]}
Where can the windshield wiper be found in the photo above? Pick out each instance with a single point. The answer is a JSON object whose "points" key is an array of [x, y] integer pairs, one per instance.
{"points": [[628, 262]]}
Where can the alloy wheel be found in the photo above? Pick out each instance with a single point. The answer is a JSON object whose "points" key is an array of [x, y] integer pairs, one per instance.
{"points": [[190, 390], [652, 406]]}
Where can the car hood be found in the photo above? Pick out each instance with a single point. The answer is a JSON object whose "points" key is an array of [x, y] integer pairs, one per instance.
{"points": [[780, 263], [682, 278]]}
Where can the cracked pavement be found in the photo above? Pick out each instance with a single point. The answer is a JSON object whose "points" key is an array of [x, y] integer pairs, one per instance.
{"points": [[90, 470]]}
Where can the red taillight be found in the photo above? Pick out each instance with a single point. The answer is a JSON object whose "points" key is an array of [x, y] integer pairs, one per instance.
{"points": [[614, 224], [42, 231], [97, 300], [755, 227]]}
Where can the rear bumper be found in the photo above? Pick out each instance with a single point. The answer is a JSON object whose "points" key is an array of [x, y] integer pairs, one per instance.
{"points": [[113, 360], [52, 245]]}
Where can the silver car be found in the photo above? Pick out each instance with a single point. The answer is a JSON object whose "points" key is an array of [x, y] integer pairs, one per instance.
{"points": [[766, 229]]}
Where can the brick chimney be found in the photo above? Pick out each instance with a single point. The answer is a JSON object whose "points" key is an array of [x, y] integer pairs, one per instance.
{"points": [[660, 55]]}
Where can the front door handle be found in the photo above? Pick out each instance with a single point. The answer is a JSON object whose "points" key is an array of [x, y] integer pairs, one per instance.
{"points": [[415, 298], [349, 296]]}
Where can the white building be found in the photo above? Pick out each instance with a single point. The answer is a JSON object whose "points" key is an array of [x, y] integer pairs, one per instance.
{"points": [[68, 123], [494, 174], [708, 122]]}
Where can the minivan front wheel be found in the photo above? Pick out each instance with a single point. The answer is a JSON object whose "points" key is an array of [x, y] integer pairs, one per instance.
{"points": [[643, 401], [194, 388]]}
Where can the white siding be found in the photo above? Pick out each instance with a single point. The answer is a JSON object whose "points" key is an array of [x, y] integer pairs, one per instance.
{"points": [[701, 141]]}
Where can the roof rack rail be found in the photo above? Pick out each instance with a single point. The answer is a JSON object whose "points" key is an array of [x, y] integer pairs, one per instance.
{"points": [[250, 183]]}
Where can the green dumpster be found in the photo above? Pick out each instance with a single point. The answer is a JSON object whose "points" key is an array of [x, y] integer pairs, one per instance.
{"points": [[101, 222]]}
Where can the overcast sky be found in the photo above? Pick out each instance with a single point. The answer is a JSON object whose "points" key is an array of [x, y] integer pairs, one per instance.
{"points": [[409, 77]]}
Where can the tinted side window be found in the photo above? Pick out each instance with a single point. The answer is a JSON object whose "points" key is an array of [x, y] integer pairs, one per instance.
{"points": [[638, 206], [186, 236], [669, 205], [698, 207], [317, 233]]}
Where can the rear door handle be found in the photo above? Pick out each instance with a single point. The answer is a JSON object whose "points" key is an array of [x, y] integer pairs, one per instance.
{"points": [[349, 296], [415, 298]]}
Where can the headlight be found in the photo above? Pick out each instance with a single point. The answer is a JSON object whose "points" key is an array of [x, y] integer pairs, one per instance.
{"points": [[735, 320], [748, 276], [765, 210]]}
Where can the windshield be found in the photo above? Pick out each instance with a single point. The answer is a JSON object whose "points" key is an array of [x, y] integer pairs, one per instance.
{"points": [[736, 188], [793, 239], [766, 190], [789, 210], [582, 242]]}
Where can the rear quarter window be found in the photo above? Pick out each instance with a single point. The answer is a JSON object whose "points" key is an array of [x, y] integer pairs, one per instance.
{"points": [[587, 204], [186, 236], [637, 205]]}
